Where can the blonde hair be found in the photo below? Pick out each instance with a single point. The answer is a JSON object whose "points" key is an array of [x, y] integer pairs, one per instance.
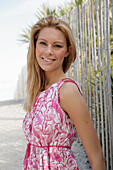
{"points": [[35, 75]]}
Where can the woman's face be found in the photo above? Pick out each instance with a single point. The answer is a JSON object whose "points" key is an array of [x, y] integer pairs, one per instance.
{"points": [[51, 49]]}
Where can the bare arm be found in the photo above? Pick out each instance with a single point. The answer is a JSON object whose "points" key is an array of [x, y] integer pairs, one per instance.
{"points": [[72, 102]]}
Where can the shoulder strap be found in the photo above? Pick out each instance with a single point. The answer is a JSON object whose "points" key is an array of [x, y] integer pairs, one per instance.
{"points": [[72, 81]]}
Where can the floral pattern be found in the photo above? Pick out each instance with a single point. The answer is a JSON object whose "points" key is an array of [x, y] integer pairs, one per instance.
{"points": [[50, 134]]}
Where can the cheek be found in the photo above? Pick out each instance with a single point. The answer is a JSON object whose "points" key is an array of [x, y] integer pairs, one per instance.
{"points": [[38, 51], [61, 54]]}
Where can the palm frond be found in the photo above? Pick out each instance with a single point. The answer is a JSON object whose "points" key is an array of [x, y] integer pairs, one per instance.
{"points": [[25, 36], [44, 10]]}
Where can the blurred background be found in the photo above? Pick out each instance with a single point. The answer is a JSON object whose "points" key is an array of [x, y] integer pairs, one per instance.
{"points": [[92, 25], [16, 16]]}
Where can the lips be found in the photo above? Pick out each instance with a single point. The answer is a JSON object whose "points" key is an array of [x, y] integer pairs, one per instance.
{"points": [[48, 59]]}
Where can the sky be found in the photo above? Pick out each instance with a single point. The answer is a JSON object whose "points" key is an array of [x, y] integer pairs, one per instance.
{"points": [[15, 16]]}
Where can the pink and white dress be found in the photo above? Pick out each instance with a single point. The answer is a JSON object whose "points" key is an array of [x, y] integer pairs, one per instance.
{"points": [[50, 133]]}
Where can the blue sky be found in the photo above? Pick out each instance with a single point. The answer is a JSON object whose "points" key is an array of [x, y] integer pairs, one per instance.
{"points": [[15, 15]]}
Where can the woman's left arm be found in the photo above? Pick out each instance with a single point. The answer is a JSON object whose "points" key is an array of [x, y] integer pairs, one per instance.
{"points": [[73, 103]]}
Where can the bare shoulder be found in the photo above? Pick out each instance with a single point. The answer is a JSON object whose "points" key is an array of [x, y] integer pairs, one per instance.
{"points": [[74, 105], [69, 89], [70, 96]]}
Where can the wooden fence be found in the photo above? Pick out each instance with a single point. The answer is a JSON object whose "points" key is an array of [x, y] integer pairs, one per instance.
{"points": [[91, 28]]}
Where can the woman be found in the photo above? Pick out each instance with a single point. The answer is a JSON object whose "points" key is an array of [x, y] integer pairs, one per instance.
{"points": [[56, 111]]}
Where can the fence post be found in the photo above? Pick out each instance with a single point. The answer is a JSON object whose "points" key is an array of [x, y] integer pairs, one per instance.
{"points": [[110, 109]]}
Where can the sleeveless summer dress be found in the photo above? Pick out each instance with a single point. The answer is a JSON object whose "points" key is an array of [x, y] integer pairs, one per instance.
{"points": [[50, 133]]}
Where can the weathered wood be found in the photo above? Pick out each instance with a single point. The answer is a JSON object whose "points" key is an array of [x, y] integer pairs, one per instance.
{"points": [[89, 62], [85, 50], [94, 115], [112, 15], [110, 109], [104, 83], [100, 75], [90, 25]]}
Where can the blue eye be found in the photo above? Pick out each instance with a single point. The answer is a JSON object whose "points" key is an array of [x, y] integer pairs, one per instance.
{"points": [[58, 46], [42, 43]]}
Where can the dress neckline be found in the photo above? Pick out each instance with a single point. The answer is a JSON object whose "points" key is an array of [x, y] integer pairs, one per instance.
{"points": [[54, 84]]}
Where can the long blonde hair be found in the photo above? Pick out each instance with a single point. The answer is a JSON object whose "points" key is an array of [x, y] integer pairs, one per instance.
{"points": [[35, 75]]}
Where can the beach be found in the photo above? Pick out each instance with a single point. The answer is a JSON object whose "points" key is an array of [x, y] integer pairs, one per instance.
{"points": [[13, 142], [12, 139]]}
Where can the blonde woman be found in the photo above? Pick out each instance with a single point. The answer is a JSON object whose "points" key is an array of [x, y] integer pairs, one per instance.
{"points": [[55, 108]]}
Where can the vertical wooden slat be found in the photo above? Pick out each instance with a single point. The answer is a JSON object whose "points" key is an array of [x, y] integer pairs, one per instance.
{"points": [[100, 82], [77, 45], [110, 109], [86, 62], [83, 53], [70, 24], [86, 55], [92, 71], [95, 70], [65, 18], [89, 62], [80, 44], [104, 88], [75, 33]]}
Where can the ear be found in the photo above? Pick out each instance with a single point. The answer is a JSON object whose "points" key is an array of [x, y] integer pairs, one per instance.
{"points": [[68, 51]]}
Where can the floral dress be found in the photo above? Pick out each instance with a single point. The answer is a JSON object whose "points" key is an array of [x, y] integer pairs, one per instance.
{"points": [[50, 133]]}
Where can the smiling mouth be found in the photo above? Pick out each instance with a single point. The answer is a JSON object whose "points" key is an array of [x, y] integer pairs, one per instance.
{"points": [[48, 60]]}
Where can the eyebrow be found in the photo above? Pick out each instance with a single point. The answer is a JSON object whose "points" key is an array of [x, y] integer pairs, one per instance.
{"points": [[54, 42], [42, 39]]}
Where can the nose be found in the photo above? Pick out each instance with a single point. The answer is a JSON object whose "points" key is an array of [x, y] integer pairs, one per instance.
{"points": [[49, 50]]}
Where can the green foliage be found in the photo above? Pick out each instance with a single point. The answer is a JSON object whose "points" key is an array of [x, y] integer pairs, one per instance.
{"points": [[25, 36], [111, 65], [78, 2], [45, 11]]}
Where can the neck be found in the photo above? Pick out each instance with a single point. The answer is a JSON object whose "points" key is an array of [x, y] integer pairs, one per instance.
{"points": [[53, 77]]}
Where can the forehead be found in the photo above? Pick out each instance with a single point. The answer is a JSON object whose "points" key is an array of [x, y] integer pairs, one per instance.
{"points": [[51, 33]]}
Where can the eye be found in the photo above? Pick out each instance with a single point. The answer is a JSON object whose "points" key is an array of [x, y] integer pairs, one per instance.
{"points": [[42, 43], [58, 46]]}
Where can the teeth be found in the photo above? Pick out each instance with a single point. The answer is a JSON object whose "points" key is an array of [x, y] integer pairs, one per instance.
{"points": [[48, 60]]}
